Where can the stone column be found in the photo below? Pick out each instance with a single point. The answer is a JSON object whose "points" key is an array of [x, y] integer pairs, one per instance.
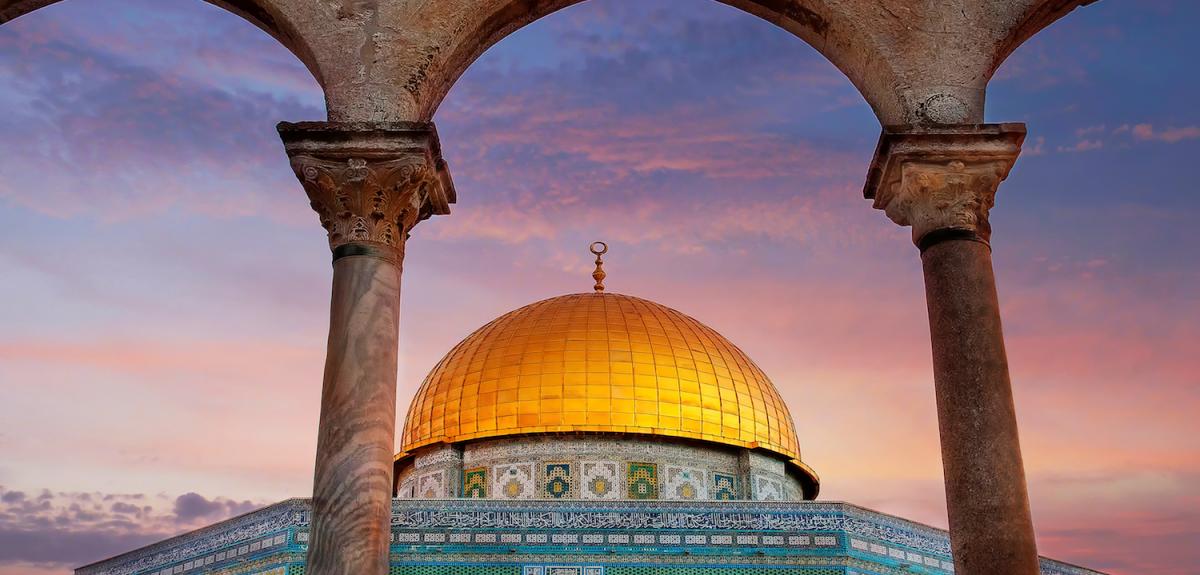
{"points": [[942, 182], [369, 184]]}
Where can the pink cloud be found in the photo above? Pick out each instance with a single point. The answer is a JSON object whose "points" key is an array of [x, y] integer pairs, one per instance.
{"points": [[1083, 146], [1170, 135], [1037, 149], [149, 358], [802, 220]]}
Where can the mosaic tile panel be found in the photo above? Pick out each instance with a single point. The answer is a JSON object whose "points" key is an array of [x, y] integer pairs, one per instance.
{"points": [[724, 487], [433, 485], [475, 483], [407, 488], [642, 480], [767, 489], [559, 483], [600, 480], [513, 481], [684, 484]]}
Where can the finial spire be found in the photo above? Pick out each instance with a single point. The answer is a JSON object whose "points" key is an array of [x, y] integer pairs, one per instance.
{"points": [[599, 274]]}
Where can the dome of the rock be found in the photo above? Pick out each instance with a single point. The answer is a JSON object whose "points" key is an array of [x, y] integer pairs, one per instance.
{"points": [[582, 369]]}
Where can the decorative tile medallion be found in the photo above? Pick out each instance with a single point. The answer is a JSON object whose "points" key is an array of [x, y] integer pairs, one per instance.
{"points": [[642, 480], [600, 480], [512, 481], [407, 489], [724, 487], [432, 485], [684, 483], [475, 483], [767, 489], [559, 484]]}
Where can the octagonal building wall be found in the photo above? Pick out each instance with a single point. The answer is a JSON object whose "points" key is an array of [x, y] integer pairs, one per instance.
{"points": [[594, 467]]}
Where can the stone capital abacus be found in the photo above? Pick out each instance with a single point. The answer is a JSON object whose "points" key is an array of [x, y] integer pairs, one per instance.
{"points": [[369, 183], [942, 181]]}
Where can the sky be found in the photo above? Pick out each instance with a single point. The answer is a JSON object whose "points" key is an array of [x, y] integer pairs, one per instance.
{"points": [[165, 286]]}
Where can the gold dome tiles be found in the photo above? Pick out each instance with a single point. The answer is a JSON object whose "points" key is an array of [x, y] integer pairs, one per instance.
{"points": [[599, 362]]}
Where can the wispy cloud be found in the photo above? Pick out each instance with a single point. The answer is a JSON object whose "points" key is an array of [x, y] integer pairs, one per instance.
{"points": [[144, 132], [1170, 135], [1083, 146]]}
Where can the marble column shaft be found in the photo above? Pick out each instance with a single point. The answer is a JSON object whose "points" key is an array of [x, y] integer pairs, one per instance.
{"points": [[369, 184], [943, 183]]}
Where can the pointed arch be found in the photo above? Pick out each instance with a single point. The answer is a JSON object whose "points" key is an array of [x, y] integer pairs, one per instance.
{"points": [[271, 16], [466, 28]]}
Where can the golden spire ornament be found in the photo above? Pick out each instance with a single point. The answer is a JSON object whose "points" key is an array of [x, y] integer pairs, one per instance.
{"points": [[599, 274]]}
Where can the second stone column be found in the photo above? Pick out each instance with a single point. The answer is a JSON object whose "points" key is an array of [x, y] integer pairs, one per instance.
{"points": [[369, 184], [942, 182]]}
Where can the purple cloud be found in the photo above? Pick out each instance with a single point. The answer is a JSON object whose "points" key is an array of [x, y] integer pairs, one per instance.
{"points": [[142, 130], [62, 530]]}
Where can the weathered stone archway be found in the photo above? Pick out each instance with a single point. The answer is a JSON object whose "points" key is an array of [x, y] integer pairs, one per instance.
{"points": [[473, 26], [915, 63]]}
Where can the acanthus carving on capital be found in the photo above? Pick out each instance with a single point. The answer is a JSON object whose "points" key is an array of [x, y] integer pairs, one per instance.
{"points": [[362, 200], [946, 195]]}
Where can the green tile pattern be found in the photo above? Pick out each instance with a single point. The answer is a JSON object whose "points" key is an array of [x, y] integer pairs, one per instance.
{"points": [[642, 479]]}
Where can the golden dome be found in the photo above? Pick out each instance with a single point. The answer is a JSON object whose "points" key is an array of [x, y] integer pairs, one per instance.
{"points": [[600, 362]]}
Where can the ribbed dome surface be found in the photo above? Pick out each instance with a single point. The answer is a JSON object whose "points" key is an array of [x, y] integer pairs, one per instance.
{"points": [[599, 362]]}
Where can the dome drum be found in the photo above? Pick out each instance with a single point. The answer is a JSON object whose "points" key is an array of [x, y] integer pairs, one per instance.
{"points": [[597, 466]]}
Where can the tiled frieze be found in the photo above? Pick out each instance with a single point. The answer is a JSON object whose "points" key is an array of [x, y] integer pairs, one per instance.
{"points": [[562, 570], [496, 537]]}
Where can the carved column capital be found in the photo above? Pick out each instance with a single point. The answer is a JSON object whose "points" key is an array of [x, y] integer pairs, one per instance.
{"points": [[942, 180], [369, 183]]}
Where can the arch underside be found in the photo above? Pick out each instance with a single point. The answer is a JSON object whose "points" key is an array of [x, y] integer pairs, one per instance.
{"points": [[900, 54], [263, 14], [815, 22]]}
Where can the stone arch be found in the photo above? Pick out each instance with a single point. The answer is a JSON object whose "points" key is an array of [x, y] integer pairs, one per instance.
{"points": [[271, 16], [1033, 18], [454, 33]]}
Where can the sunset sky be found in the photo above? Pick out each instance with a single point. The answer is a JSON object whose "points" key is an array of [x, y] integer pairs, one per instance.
{"points": [[164, 286]]}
